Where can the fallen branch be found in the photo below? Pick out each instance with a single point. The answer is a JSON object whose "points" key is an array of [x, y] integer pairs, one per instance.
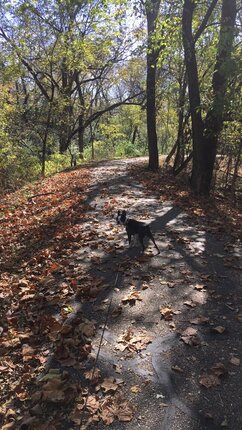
{"points": [[39, 195]]}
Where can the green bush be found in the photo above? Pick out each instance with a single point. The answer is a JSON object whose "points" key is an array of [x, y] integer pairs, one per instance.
{"points": [[16, 168], [126, 148], [102, 150], [56, 163]]}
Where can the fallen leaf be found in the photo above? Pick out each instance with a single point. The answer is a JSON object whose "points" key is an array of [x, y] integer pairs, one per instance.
{"points": [[219, 329], [190, 337], [125, 412], [135, 389], [177, 369], [199, 287], [109, 384], [218, 369], [108, 413], [93, 375], [92, 404], [87, 328], [209, 381], [166, 313], [132, 297], [190, 303], [199, 320], [117, 368], [235, 361]]}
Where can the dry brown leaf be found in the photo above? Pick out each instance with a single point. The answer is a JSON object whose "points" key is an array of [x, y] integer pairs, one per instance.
{"points": [[166, 313], [190, 303], [190, 331], [127, 336], [132, 297], [117, 368], [133, 342], [87, 328], [219, 369], [199, 320], [108, 413], [27, 352], [109, 384], [209, 381], [117, 311], [93, 375], [53, 391], [190, 337], [172, 325], [92, 404], [125, 412], [135, 389], [177, 369], [199, 287], [219, 329], [235, 361]]}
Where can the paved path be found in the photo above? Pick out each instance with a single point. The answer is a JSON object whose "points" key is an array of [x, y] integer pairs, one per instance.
{"points": [[192, 278]]}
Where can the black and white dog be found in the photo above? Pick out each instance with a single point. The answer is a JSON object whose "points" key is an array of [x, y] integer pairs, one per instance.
{"points": [[134, 227]]}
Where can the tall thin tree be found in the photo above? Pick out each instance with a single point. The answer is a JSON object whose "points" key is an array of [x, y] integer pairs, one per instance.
{"points": [[152, 10]]}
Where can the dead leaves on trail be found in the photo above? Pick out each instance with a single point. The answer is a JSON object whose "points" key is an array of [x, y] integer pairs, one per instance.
{"points": [[133, 342], [213, 378], [216, 214], [42, 249], [104, 410], [39, 236], [132, 297], [167, 313], [190, 337]]}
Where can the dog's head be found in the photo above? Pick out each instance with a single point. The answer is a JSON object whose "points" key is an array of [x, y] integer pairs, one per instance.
{"points": [[121, 217]]}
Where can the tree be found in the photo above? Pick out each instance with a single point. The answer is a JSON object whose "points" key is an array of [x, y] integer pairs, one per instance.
{"points": [[68, 56], [152, 10], [205, 132]]}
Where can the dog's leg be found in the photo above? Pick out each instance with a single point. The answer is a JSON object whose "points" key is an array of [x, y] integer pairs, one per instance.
{"points": [[129, 238], [153, 240], [141, 239]]}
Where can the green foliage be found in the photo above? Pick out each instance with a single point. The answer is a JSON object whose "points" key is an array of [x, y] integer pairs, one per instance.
{"points": [[102, 150], [16, 165], [127, 149], [50, 44], [230, 138], [56, 163]]}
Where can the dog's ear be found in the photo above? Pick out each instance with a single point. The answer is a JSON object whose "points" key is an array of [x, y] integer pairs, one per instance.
{"points": [[124, 212], [118, 212]]}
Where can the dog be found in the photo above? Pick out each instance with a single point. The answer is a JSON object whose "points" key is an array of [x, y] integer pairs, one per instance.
{"points": [[134, 227]]}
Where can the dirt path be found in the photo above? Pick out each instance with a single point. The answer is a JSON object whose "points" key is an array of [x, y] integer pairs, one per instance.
{"points": [[170, 356], [181, 370]]}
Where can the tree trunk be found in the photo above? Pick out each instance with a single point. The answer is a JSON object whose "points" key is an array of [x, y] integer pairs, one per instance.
{"points": [[180, 150], [134, 134], [236, 167], [44, 145], [81, 136], [213, 123], [198, 170], [152, 9]]}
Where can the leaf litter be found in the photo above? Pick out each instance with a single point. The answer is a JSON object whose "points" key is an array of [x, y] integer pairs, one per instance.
{"points": [[32, 272]]}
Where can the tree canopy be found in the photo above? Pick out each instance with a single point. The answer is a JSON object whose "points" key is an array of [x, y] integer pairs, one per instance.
{"points": [[106, 78]]}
